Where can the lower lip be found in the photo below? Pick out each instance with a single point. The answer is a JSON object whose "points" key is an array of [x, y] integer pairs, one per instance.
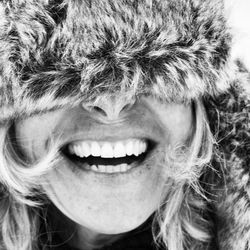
{"points": [[81, 173], [109, 171]]}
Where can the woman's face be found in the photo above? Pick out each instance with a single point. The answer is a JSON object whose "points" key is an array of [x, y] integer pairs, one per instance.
{"points": [[111, 175]]}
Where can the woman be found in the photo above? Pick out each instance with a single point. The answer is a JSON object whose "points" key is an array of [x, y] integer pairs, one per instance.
{"points": [[122, 124]]}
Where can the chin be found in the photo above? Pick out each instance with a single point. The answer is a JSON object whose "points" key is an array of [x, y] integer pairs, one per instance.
{"points": [[106, 203], [121, 224]]}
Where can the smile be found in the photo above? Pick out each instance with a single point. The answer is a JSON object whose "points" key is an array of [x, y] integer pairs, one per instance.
{"points": [[108, 157]]}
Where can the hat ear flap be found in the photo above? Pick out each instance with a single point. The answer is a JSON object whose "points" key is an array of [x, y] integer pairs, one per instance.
{"points": [[238, 19]]}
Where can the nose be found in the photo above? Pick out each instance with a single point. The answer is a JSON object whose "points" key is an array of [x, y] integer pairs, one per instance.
{"points": [[110, 107]]}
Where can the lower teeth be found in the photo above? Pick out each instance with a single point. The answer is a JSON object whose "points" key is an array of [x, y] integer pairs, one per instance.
{"points": [[110, 168]]}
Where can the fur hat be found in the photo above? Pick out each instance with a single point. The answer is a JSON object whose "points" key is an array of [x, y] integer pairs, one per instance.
{"points": [[57, 53]]}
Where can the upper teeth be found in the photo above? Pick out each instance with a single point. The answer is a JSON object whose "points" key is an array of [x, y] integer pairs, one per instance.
{"points": [[108, 149]]}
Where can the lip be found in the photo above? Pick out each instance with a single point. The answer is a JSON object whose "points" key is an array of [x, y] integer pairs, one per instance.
{"points": [[77, 126], [135, 160], [134, 166], [80, 137], [115, 133]]}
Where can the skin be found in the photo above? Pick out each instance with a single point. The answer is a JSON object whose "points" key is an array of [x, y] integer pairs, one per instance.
{"points": [[100, 208]]}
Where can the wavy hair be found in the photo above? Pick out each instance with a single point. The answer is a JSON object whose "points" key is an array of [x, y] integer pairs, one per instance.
{"points": [[178, 223]]}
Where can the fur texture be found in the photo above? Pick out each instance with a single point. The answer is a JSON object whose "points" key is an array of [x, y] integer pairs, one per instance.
{"points": [[49, 58], [229, 116], [174, 49]]}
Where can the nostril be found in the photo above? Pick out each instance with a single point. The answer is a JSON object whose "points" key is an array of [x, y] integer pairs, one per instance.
{"points": [[94, 109], [126, 107], [109, 108], [99, 110]]}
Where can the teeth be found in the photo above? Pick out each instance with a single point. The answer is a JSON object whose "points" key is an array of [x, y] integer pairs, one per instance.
{"points": [[137, 148], [129, 147], [119, 150], [78, 150], [123, 167], [110, 169], [95, 149], [101, 168], [143, 146], [82, 150], [71, 149], [108, 149], [94, 168]]}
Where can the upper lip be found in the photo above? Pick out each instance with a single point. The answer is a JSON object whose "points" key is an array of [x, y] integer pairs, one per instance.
{"points": [[108, 135]]}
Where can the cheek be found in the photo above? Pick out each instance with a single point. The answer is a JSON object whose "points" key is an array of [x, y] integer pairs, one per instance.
{"points": [[179, 123], [176, 119], [33, 133]]}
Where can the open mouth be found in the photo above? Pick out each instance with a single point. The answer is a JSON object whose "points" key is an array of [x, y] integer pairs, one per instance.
{"points": [[108, 157]]}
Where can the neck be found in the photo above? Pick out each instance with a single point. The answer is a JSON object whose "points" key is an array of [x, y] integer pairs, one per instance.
{"points": [[78, 236], [86, 239]]}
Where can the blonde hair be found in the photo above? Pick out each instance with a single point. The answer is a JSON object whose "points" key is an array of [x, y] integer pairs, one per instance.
{"points": [[177, 222]]}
